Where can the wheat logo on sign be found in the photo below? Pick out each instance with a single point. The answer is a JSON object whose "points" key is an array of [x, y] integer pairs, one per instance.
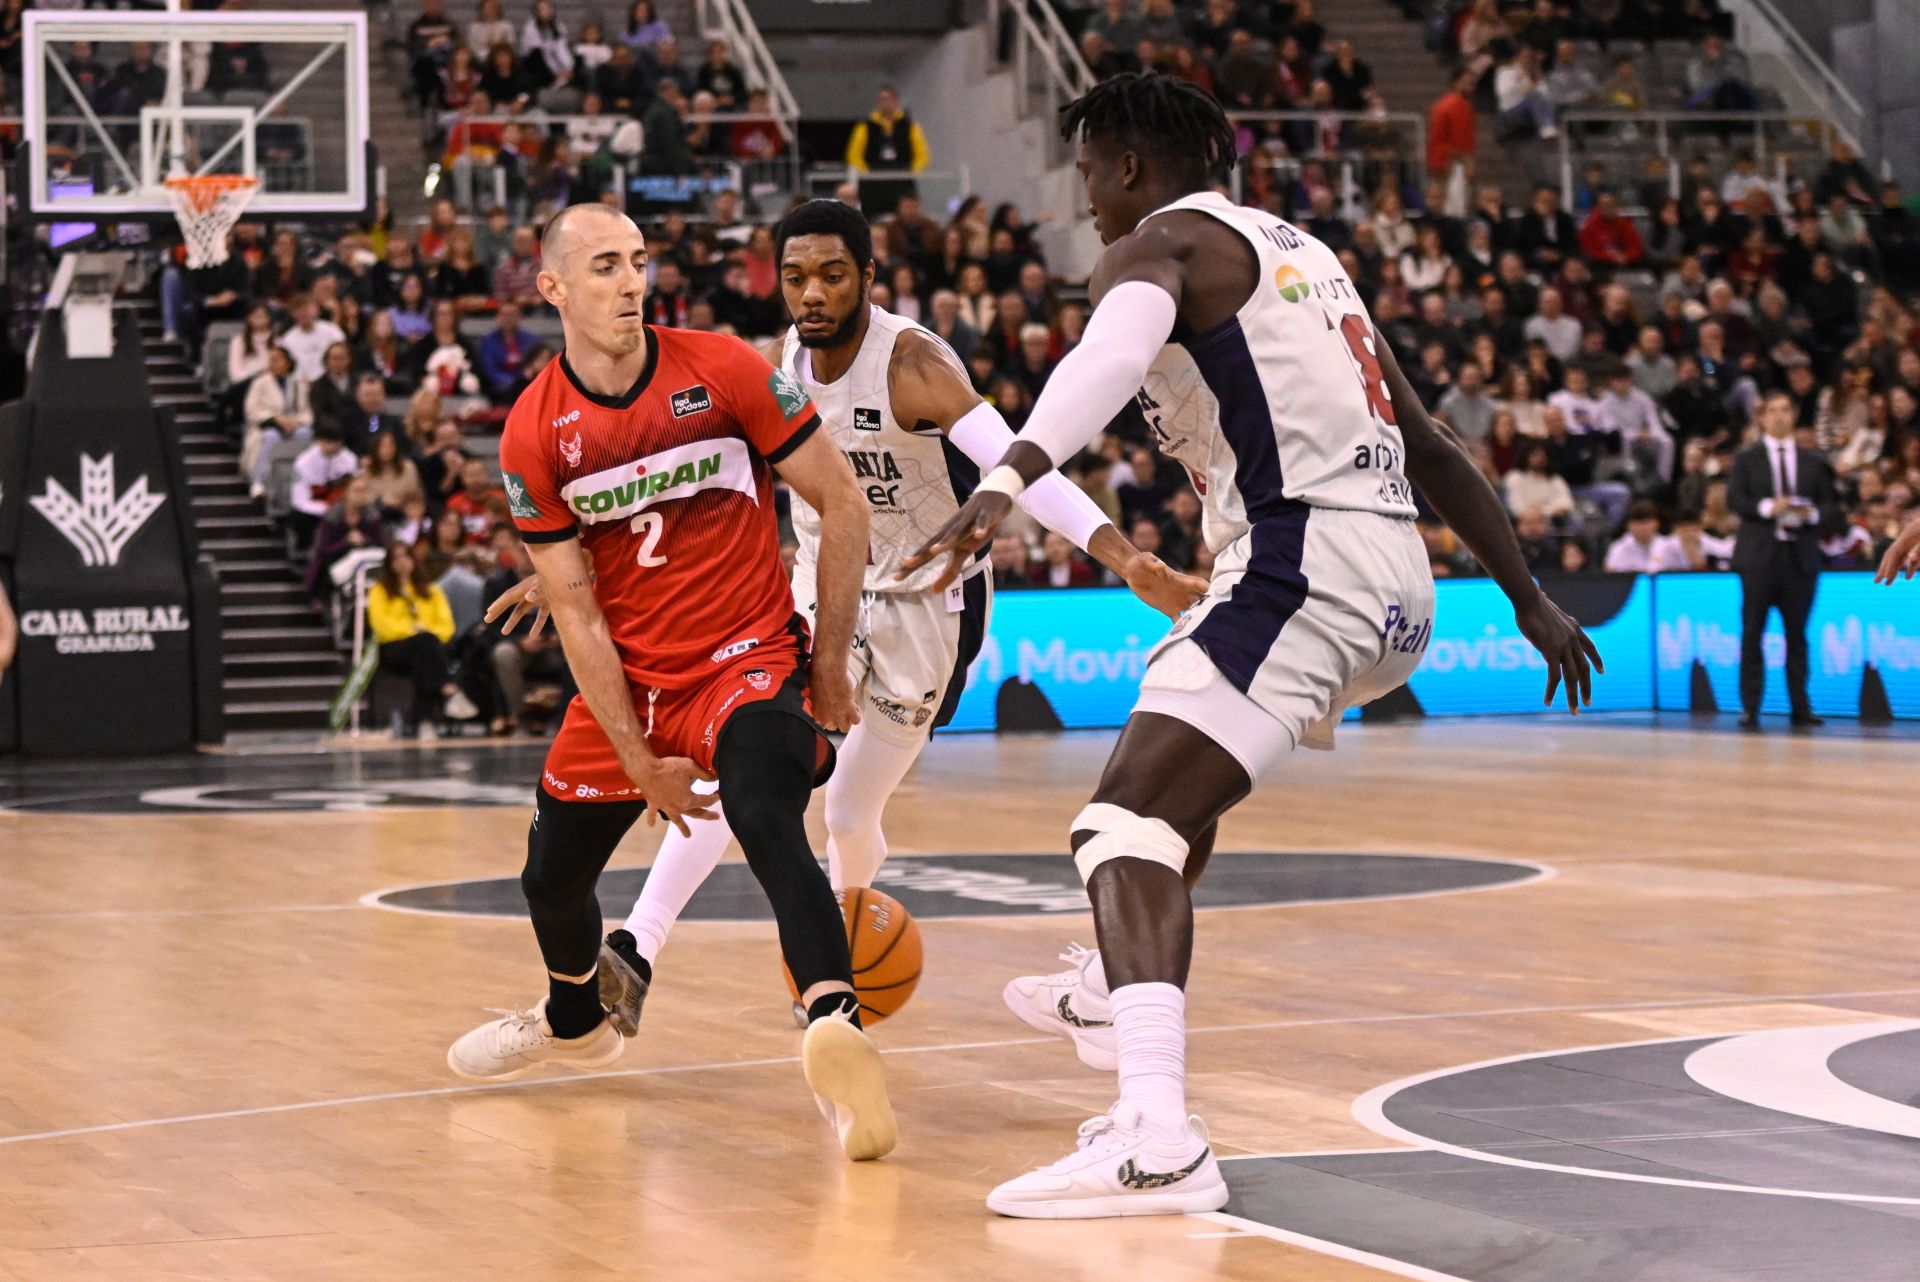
{"points": [[97, 523]]}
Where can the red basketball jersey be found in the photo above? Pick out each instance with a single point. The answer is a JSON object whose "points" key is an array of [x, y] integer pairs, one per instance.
{"points": [[670, 489]]}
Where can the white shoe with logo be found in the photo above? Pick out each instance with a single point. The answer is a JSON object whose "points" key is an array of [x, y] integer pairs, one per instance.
{"points": [[512, 1047], [1065, 1006], [850, 1086], [1121, 1167]]}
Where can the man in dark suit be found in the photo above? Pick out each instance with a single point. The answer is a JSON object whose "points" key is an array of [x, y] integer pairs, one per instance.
{"points": [[1785, 497], [365, 417], [1546, 232]]}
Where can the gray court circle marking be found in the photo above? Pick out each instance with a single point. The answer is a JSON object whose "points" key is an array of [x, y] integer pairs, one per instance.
{"points": [[978, 886], [1370, 1111]]}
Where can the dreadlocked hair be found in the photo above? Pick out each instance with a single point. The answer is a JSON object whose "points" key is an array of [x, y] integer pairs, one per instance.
{"points": [[1160, 114]]}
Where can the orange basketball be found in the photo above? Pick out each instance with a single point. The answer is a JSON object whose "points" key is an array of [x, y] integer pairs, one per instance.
{"points": [[885, 942]]}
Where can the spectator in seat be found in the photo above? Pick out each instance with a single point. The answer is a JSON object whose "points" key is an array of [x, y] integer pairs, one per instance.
{"points": [[489, 29], [463, 278], [459, 80], [353, 522], [1654, 372], [545, 50], [502, 354], [1009, 560], [645, 29], [590, 51], [1637, 551], [1844, 175], [364, 418], [1034, 365], [1535, 487], [1348, 77], [1453, 127], [622, 84], [514, 280], [1691, 549], [1623, 90], [430, 38], [247, 354], [721, 77], [1061, 565], [276, 410], [1718, 78], [664, 65], [320, 474], [758, 137], [410, 618], [236, 65], [1645, 458], [1552, 326], [443, 355], [1539, 546], [1570, 86], [1180, 534], [945, 322], [479, 503], [1466, 406], [664, 126], [669, 302], [518, 654], [1609, 237], [505, 82], [392, 475], [309, 338], [888, 139], [331, 395], [592, 126], [1114, 25], [1546, 233]]}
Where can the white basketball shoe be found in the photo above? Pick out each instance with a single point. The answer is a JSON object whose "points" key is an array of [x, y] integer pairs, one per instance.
{"points": [[1121, 1167], [1066, 1006], [512, 1047], [850, 1086]]}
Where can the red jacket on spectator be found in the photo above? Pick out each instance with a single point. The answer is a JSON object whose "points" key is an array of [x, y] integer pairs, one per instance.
{"points": [[1612, 238], [1451, 133]]}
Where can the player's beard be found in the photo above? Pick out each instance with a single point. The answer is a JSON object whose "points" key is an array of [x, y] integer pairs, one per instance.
{"points": [[839, 336]]}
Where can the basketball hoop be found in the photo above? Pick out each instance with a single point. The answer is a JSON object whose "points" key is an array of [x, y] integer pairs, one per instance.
{"points": [[207, 207]]}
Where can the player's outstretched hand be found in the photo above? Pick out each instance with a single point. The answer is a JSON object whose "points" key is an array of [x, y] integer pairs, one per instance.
{"points": [[1904, 555], [970, 530], [1163, 587], [516, 601], [830, 696], [667, 784], [1570, 654]]}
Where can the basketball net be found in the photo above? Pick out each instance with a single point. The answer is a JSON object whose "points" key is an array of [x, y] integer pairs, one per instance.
{"points": [[207, 207]]}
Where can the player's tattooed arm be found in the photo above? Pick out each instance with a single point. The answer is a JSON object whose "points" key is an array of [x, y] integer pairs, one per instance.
{"points": [[819, 474], [1438, 462]]}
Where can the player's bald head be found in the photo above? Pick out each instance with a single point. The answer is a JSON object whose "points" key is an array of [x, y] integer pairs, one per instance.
{"points": [[573, 226]]}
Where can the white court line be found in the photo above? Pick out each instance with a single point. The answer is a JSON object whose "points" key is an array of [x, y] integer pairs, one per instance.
{"points": [[1370, 1111], [1785, 1070], [1541, 872], [142, 913], [432, 1092], [1253, 1228]]}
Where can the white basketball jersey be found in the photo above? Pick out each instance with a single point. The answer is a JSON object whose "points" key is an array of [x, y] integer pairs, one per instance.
{"points": [[914, 481], [1285, 403]]}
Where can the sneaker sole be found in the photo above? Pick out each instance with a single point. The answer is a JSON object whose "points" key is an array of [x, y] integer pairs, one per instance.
{"points": [[1183, 1202], [621, 992], [1096, 1057], [515, 1074], [841, 1064]]}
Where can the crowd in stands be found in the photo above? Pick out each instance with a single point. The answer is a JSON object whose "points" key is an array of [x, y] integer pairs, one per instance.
{"points": [[1601, 364]]}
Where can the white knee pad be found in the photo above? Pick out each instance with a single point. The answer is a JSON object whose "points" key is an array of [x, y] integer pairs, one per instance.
{"points": [[1118, 833]]}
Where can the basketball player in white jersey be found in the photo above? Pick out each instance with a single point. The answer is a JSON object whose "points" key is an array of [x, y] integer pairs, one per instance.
{"points": [[898, 403], [1258, 368]]}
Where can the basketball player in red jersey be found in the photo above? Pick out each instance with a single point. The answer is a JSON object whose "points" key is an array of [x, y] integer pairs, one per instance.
{"points": [[639, 468]]}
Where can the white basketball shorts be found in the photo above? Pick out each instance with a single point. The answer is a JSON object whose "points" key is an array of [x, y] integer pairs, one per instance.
{"points": [[1309, 613], [911, 652]]}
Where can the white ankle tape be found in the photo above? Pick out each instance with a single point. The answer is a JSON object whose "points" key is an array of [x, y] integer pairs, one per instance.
{"points": [[1118, 833]]}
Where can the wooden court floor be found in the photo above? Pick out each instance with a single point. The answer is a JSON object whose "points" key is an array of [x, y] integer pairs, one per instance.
{"points": [[219, 1064]]}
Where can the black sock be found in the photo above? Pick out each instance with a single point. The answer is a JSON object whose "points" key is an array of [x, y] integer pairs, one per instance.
{"points": [[833, 1004], [623, 942], [573, 1010]]}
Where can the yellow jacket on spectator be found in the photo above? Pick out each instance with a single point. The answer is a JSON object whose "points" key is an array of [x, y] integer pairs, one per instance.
{"points": [[887, 142], [397, 618]]}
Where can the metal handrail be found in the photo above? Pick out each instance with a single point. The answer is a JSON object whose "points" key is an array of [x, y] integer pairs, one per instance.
{"points": [[1661, 124], [732, 21], [1819, 82], [1046, 38]]}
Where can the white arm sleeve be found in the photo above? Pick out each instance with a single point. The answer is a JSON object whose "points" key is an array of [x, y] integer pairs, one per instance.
{"points": [[1054, 501], [1098, 378]]}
